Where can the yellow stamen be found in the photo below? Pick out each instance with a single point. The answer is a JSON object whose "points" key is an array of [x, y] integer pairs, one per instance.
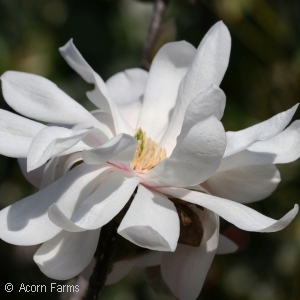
{"points": [[146, 157]]}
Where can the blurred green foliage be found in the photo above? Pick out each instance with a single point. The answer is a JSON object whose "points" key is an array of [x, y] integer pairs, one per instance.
{"points": [[263, 79]]}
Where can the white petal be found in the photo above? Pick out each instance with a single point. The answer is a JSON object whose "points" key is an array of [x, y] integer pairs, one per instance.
{"points": [[100, 95], [283, 148], [127, 90], [285, 145], [76, 61], [151, 222], [210, 102], [208, 67], [34, 177], [122, 268], [119, 271], [198, 188], [53, 170], [26, 222], [246, 158], [185, 270], [167, 70], [127, 87], [67, 254], [209, 221], [106, 119], [153, 173], [240, 140], [149, 259], [238, 214], [196, 158], [245, 184], [16, 134], [210, 62], [38, 98], [121, 149], [87, 272], [78, 291], [100, 207], [55, 141], [70, 161], [131, 113], [120, 124], [226, 246]]}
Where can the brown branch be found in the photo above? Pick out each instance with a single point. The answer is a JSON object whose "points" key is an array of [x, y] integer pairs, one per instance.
{"points": [[159, 9], [106, 250], [107, 245]]}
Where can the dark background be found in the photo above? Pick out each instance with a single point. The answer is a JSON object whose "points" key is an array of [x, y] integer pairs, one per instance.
{"points": [[263, 79]]}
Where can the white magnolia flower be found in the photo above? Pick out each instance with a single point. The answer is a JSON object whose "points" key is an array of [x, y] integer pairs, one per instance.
{"points": [[158, 136]]}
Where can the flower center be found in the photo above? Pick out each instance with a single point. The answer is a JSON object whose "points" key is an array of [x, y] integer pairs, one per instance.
{"points": [[146, 155]]}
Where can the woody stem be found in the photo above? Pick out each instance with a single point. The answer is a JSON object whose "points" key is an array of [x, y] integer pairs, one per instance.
{"points": [[106, 249], [159, 9]]}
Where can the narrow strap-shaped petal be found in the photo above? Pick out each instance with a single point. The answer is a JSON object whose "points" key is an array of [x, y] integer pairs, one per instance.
{"points": [[119, 270], [240, 140], [87, 272], [34, 177], [167, 70], [196, 158], [120, 123], [76, 61], [198, 188], [67, 254], [70, 161], [100, 95], [238, 214], [122, 268], [127, 87], [226, 246], [151, 222], [209, 66], [185, 270], [53, 170], [39, 98], [149, 259], [244, 185], [120, 149], [210, 62], [153, 173], [283, 148], [285, 145], [54, 141], [100, 207], [16, 134], [105, 118], [210, 102], [26, 222], [127, 91], [246, 158], [56, 167]]}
